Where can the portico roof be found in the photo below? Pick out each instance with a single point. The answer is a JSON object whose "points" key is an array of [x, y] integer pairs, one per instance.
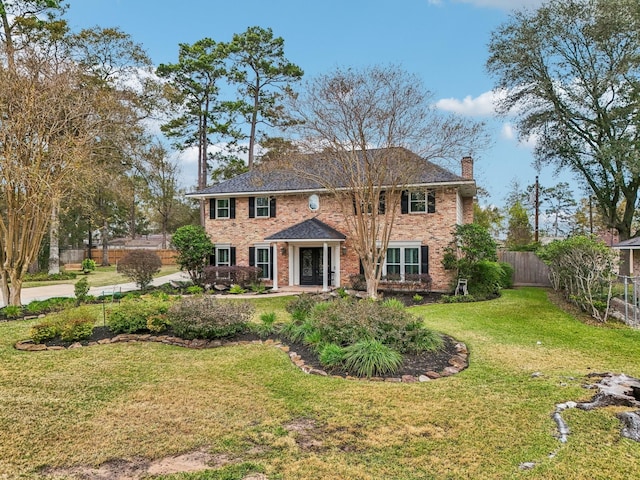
{"points": [[311, 229]]}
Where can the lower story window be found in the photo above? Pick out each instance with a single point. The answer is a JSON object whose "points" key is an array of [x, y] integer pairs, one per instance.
{"points": [[263, 261], [401, 261], [223, 257]]}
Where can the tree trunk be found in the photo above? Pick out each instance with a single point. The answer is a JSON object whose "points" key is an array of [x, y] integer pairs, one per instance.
{"points": [[4, 289], [54, 240], [105, 245], [15, 290]]}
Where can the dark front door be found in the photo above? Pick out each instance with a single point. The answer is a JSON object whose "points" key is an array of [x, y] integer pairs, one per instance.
{"points": [[311, 266]]}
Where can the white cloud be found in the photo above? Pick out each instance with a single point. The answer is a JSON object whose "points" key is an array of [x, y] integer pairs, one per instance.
{"points": [[507, 132], [482, 105]]}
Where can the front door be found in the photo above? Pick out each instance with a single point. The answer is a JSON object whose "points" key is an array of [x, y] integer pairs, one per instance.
{"points": [[311, 266]]}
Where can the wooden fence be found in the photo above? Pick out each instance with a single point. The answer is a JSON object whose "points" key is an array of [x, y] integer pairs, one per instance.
{"points": [[168, 257], [528, 269]]}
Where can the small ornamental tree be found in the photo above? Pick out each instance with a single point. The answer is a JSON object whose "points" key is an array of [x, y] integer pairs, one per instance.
{"points": [[140, 266], [584, 269], [473, 253], [194, 248]]}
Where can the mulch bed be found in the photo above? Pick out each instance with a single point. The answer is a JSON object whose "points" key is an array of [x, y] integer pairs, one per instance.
{"points": [[413, 364]]}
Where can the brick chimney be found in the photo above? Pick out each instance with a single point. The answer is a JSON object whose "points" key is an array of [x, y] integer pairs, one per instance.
{"points": [[467, 168]]}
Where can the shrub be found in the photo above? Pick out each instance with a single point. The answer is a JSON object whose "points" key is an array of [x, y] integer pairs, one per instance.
{"points": [[258, 288], [331, 355], [417, 298], [132, 314], [506, 279], [194, 247], [76, 325], [302, 305], [485, 278], [237, 289], [45, 330], [48, 277], [12, 311], [267, 324], [358, 282], [70, 325], [234, 275], [195, 290], [81, 289], [158, 323], [88, 265], [207, 317], [368, 358], [36, 307], [346, 322], [584, 269], [393, 303], [140, 266]]}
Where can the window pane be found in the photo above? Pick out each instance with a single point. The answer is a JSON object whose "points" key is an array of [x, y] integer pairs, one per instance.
{"points": [[223, 256], [411, 255], [262, 206], [223, 208], [393, 255], [411, 269], [418, 202], [263, 255], [393, 270]]}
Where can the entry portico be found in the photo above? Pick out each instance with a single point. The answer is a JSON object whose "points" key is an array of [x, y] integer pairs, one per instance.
{"points": [[313, 251]]}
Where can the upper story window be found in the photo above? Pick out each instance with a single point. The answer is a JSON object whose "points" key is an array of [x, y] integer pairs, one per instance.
{"points": [[419, 201], [262, 207], [222, 208]]}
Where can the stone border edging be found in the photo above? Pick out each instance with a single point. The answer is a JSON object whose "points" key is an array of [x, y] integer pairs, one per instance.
{"points": [[457, 363]]}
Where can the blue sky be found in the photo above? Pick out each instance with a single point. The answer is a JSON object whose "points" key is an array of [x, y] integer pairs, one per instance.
{"points": [[442, 41]]}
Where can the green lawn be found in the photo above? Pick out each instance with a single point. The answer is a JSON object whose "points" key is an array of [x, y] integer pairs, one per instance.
{"points": [[250, 404], [100, 277]]}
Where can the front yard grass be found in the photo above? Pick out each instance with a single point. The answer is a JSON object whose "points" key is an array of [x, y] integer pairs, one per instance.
{"points": [[101, 277], [251, 404]]}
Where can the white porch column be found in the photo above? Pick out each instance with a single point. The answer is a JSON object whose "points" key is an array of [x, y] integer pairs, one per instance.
{"points": [[274, 252], [325, 267]]}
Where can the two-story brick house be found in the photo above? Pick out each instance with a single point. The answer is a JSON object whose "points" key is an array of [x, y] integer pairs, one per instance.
{"points": [[293, 230]]}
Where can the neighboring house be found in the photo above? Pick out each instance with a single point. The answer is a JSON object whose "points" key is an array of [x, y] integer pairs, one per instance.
{"points": [[295, 232]]}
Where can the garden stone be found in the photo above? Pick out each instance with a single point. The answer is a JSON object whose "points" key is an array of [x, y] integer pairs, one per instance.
{"points": [[409, 379], [432, 375], [423, 378]]}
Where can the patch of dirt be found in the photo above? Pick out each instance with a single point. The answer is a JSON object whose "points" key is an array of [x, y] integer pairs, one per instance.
{"points": [[135, 469]]}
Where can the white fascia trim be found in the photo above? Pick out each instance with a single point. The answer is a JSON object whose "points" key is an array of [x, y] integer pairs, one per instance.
{"points": [[322, 190]]}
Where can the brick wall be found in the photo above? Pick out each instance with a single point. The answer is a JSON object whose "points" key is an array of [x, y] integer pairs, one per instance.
{"points": [[431, 229]]}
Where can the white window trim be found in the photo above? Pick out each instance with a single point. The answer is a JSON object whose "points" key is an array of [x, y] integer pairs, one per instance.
{"points": [[267, 247], [426, 192], [267, 206], [228, 208], [224, 246], [411, 202], [402, 245]]}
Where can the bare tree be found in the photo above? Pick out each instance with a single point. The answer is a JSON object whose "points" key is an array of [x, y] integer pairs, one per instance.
{"points": [[162, 183], [45, 137], [372, 130]]}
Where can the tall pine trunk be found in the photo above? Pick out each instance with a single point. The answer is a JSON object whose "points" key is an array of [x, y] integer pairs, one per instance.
{"points": [[54, 239]]}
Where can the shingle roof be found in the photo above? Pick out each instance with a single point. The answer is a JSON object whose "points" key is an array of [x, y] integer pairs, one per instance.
{"points": [[278, 181], [630, 244], [312, 229]]}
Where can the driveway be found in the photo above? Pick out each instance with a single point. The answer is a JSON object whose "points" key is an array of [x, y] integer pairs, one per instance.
{"points": [[66, 290]]}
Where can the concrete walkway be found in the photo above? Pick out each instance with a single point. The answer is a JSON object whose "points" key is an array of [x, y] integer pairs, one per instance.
{"points": [[67, 290]]}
